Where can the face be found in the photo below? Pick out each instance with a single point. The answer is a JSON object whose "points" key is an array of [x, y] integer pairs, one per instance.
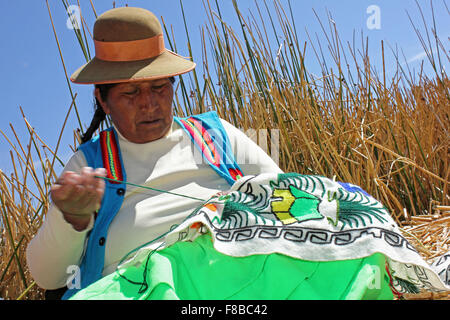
{"points": [[141, 111]]}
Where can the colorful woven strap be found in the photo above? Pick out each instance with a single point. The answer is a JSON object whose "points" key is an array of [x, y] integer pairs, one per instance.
{"points": [[110, 155], [235, 173], [202, 139]]}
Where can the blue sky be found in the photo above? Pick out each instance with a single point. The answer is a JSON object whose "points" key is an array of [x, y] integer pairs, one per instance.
{"points": [[33, 76]]}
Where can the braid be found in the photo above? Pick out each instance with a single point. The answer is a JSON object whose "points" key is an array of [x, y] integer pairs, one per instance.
{"points": [[99, 116]]}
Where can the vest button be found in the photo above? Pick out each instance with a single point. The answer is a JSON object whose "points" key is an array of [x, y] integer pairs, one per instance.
{"points": [[101, 241], [120, 191]]}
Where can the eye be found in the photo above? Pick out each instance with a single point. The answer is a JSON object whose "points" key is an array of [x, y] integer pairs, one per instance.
{"points": [[131, 92], [158, 87]]}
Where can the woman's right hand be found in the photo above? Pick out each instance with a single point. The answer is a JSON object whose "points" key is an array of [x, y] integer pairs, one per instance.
{"points": [[78, 196]]}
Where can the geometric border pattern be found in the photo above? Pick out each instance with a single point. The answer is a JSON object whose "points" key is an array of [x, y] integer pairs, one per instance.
{"points": [[309, 235]]}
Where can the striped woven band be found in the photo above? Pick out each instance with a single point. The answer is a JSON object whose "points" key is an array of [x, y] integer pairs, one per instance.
{"points": [[110, 155], [202, 139]]}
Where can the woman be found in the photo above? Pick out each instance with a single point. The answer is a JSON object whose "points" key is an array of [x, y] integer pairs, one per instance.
{"points": [[133, 74]]}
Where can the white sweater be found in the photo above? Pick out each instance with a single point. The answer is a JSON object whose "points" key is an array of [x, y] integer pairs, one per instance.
{"points": [[167, 164]]}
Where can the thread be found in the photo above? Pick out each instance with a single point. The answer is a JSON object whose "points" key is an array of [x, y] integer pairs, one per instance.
{"points": [[150, 188]]}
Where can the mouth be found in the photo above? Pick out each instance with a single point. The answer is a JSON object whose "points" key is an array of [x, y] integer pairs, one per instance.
{"points": [[150, 122]]}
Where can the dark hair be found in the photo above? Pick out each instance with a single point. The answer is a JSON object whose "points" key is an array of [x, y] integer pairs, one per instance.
{"points": [[99, 114]]}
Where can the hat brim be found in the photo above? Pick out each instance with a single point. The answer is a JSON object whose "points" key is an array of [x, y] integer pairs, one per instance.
{"points": [[167, 64]]}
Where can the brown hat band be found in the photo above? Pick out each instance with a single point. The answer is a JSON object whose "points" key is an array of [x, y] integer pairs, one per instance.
{"points": [[130, 50]]}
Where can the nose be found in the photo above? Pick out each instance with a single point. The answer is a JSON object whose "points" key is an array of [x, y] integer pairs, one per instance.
{"points": [[147, 99]]}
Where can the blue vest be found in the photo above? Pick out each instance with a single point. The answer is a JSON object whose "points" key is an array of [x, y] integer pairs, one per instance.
{"points": [[210, 138]]}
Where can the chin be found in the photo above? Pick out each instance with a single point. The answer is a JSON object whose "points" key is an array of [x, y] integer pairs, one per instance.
{"points": [[149, 137]]}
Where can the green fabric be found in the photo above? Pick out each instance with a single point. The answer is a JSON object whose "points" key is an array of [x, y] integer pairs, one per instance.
{"points": [[196, 271]]}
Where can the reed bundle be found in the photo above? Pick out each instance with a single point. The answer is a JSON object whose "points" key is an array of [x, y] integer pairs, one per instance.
{"points": [[429, 234]]}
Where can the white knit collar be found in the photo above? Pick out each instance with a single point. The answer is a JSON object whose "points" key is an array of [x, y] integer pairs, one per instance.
{"points": [[121, 137]]}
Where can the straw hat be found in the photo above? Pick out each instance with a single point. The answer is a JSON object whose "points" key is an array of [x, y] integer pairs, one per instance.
{"points": [[129, 46]]}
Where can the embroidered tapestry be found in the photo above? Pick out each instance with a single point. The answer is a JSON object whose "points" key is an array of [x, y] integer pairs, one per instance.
{"points": [[305, 233]]}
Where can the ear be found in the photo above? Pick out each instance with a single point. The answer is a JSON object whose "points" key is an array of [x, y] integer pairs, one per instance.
{"points": [[103, 104]]}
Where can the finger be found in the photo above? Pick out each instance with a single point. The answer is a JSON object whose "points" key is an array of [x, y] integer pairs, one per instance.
{"points": [[63, 178], [61, 192], [57, 191], [62, 197], [77, 190], [93, 187], [101, 172], [79, 200], [88, 180], [88, 201], [74, 193], [99, 186], [99, 182], [72, 178]]}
